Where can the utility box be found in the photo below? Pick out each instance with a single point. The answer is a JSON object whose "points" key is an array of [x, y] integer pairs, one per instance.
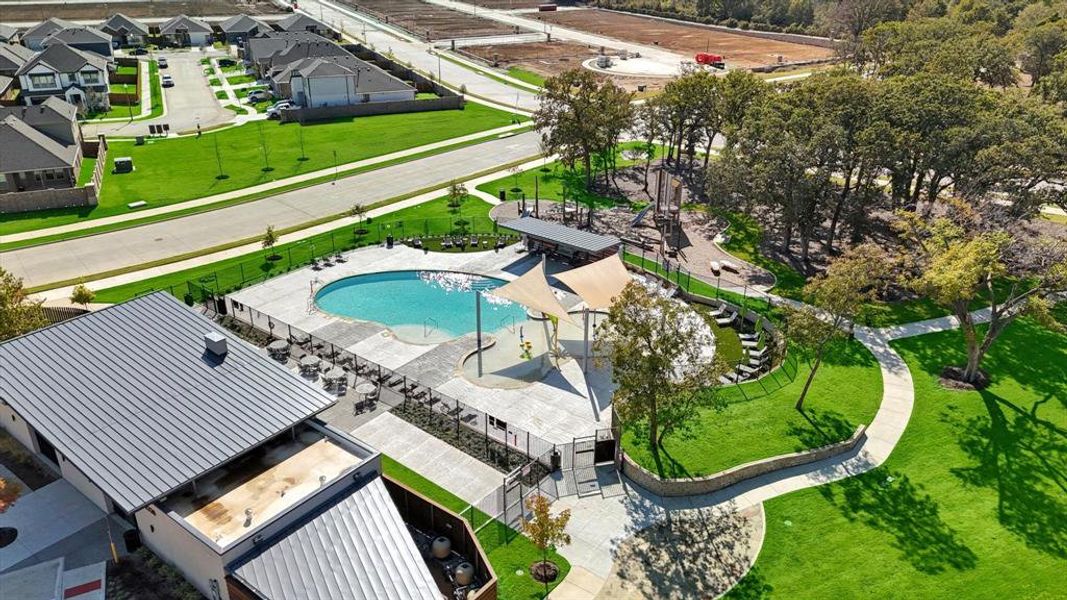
{"points": [[123, 164]]}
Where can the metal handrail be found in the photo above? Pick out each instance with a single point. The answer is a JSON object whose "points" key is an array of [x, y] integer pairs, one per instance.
{"points": [[426, 330]]}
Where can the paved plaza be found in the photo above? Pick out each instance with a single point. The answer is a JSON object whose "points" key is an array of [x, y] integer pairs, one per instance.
{"points": [[562, 404]]}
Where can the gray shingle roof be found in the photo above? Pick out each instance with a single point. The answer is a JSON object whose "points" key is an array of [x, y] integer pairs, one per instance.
{"points": [[55, 117], [369, 78], [184, 22], [575, 238], [7, 32], [64, 59], [265, 45], [356, 546], [300, 22], [119, 22], [24, 148], [12, 57], [242, 24], [78, 35], [46, 28], [5, 83], [132, 398]]}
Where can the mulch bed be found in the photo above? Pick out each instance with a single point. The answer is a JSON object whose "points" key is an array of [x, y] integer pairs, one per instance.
{"points": [[952, 378], [23, 464], [543, 572]]}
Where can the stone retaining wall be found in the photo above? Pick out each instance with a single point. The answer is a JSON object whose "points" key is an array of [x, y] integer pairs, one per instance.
{"points": [[693, 486], [17, 202]]}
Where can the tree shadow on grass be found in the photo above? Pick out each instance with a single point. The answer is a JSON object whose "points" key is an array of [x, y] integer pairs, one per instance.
{"points": [[823, 427], [1023, 458], [888, 501]]}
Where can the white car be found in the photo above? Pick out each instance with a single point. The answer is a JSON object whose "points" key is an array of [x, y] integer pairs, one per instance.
{"points": [[167, 81], [275, 112]]}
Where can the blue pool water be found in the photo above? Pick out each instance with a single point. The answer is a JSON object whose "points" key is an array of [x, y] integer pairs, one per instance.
{"points": [[420, 305]]}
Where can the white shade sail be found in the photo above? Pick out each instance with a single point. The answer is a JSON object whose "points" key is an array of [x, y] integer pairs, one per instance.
{"points": [[532, 291], [599, 283]]}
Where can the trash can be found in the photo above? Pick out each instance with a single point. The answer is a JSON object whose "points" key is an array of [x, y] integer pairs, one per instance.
{"points": [[132, 539], [503, 195], [389, 241]]}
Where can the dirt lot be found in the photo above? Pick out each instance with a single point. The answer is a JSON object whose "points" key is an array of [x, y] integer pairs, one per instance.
{"points": [[157, 8], [552, 58], [739, 50], [516, 4], [430, 21]]}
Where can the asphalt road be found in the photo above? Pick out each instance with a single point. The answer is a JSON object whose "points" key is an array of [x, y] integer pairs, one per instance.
{"points": [[129, 247], [416, 53], [189, 102]]}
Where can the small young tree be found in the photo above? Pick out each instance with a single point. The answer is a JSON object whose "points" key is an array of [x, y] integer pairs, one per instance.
{"points": [[82, 295], [837, 297], [457, 194], [9, 492], [269, 239], [18, 314], [359, 212], [546, 532], [658, 351]]}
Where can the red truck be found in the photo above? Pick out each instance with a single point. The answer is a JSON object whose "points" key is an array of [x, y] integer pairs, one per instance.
{"points": [[712, 60]]}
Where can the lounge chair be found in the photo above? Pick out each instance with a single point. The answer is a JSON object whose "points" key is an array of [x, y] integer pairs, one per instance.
{"points": [[750, 343], [724, 321], [748, 336], [716, 267], [718, 312], [757, 353], [729, 266], [747, 370]]}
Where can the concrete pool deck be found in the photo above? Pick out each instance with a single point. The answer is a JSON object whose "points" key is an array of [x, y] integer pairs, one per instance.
{"points": [[565, 404]]}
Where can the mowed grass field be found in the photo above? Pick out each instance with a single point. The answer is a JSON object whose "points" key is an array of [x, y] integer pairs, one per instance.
{"points": [[972, 503], [180, 169], [759, 419]]}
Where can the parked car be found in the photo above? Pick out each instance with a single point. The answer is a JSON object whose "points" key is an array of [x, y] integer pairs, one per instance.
{"points": [[162, 62], [138, 51], [259, 95], [275, 112], [167, 81]]}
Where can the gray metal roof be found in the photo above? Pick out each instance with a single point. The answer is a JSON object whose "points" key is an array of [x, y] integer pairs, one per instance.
{"points": [[569, 236], [356, 546], [132, 398]]}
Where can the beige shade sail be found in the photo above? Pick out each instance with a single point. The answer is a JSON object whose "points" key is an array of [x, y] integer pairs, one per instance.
{"points": [[532, 291], [599, 283]]}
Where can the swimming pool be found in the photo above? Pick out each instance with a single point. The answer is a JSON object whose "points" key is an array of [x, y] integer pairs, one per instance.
{"points": [[420, 306]]}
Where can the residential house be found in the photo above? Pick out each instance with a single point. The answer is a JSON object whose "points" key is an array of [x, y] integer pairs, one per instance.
{"points": [[337, 81], [301, 22], [40, 146], [183, 30], [237, 29], [125, 31], [213, 451], [82, 38], [261, 51], [33, 38], [77, 76], [9, 34], [12, 58]]}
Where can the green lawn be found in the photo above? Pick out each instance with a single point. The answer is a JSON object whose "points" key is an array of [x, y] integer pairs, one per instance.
{"points": [[239, 79], [971, 504], [745, 237], [126, 70], [429, 218], [214, 82], [237, 109], [508, 551], [117, 111], [221, 94], [85, 174], [526, 76], [123, 88], [760, 421], [179, 169], [549, 181]]}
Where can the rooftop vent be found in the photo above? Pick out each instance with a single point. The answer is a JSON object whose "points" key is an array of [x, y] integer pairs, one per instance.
{"points": [[215, 343]]}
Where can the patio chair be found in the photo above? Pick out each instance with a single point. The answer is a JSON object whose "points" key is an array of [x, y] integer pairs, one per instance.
{"points": [[748, 336]]}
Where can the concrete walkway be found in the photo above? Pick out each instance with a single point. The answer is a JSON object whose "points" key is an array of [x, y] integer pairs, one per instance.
{"points": [[599, 524], [45, 517], [440, 462]]}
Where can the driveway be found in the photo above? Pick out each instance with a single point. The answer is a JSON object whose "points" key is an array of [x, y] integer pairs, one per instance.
{"points": [[189, 102], [86, 256]]}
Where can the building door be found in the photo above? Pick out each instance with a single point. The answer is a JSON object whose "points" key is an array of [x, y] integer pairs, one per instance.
{"points": [[46, 448]]}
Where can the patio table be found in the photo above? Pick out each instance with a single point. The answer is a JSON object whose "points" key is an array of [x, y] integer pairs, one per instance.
{"points": [[365, 388], [278, 346], [334, 374], [309, 362]]}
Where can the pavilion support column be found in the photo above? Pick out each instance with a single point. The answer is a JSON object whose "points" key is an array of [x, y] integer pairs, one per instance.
{"points": [[585, 332]]}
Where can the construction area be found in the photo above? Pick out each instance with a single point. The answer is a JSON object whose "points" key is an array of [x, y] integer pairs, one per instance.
{"points": [[741, 51], [544, 58], [431, 21], [27, 12], [516, 4]]}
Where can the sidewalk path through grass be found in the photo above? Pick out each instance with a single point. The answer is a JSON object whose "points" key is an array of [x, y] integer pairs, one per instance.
{"points": [[208, 200]]}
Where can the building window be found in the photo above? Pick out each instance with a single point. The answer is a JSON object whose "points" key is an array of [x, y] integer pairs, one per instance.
{"points": [[43, 80], [90, 77]]}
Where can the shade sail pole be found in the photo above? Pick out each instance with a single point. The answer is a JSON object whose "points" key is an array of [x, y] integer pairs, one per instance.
{"points": [[478, 323], [585, 331]]}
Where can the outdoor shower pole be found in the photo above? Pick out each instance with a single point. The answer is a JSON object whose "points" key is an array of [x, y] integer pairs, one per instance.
{"points": [[478, 322]]}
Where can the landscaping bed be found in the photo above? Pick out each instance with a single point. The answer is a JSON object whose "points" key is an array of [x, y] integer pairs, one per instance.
{"points": [[142, 575], [24, 465], [970, 504]]}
